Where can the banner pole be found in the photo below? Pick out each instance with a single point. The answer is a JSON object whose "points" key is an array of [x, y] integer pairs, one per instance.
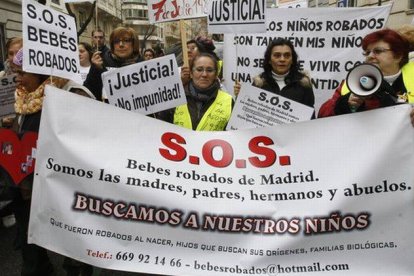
{"points": [[184, 42], [237, 66], [96, 20]]}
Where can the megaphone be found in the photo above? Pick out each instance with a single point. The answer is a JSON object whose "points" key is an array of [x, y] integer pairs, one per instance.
{"points": [[364, 80]]}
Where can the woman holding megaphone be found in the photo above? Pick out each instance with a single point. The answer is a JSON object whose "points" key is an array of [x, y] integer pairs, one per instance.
{"points": [[368, 88]]}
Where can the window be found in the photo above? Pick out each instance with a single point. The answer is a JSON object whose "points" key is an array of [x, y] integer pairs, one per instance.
{"points": [[411, 4], [136, 14], [57, 2]]}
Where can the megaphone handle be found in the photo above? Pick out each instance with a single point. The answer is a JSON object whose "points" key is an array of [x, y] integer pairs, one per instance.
{"points": [[354, 102]]}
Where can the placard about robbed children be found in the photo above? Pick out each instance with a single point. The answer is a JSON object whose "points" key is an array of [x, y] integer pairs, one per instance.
{"points": [[256, 107], [327, 40], [50, 42], [7, 88], [247, 16], [145, 87]]}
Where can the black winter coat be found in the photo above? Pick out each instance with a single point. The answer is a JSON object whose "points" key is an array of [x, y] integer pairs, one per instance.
{"points": [[94, 79]]}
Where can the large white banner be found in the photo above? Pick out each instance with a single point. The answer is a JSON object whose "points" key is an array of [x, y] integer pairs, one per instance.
{"points": [[236, 16], [326, 195], [327, 40], [145, 87], [50, 42], [170, 10]]}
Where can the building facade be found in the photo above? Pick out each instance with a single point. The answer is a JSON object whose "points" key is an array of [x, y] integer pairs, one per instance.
{"points": [[135, 15], [108, 14], [10, 22]]}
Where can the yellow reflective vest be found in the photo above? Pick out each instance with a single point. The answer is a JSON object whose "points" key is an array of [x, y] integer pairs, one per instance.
{"points": [[220, 66], [408, 78], [214, 119]]}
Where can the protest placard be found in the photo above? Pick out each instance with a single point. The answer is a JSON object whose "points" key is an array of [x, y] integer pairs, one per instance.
{"points": [[256, 107], [50, 42], [157, 198], [7, 88], [171, 10], [236, 16], [145, 87], [327, 40]]}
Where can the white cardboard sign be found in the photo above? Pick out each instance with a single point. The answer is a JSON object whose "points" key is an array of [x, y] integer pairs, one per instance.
{"points": [[50, 42], [260, 108], [145, 87]]}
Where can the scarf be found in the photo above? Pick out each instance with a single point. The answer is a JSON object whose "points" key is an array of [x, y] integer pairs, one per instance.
{"points": [[115, 61], [31, 102], [203, 95]]}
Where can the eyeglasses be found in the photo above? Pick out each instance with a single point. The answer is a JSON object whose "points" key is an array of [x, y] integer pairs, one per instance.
{"points": [[201, 70], [124, 41], [375, 51]]}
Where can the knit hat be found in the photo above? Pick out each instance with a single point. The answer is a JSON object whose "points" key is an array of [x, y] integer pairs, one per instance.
{"points": [[18, 58]]}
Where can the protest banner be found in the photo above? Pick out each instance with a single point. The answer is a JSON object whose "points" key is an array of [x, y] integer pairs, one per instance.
{"points": [[256, 107], [236, 16], [327, 40], [157, 198], [171, 10], [7, 88], [145, 87], [50, 42]]}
